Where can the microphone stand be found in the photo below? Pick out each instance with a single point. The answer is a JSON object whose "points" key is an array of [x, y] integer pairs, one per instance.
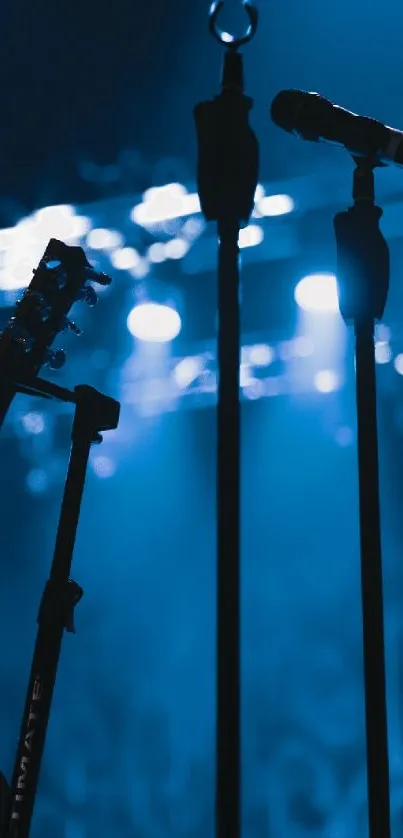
{"points": [[94, 412], [227, 180], [363, 275]]}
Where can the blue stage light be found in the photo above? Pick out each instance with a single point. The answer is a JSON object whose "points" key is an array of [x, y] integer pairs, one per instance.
{"points": [[326, 381], [33, 422], [317, 292], [398, 362], [274, 205], [125, 258], [154, 322], [36, 481], [103, 466], [383, 352]]}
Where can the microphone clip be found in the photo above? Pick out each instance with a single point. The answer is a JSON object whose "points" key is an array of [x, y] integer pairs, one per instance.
{"points": [[363, 263]]}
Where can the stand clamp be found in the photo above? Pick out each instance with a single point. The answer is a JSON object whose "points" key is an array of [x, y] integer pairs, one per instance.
{"points": [[95, 412], [58, 603], [362, 253]]}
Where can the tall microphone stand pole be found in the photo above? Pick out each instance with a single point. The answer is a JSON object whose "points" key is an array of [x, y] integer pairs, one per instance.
{"points": [[227, 180], [94, 413], [363, 275]]}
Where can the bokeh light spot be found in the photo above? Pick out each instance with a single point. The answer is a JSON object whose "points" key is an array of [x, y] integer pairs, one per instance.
{"points": [[326, 381], [317, 292], [154, 322]]}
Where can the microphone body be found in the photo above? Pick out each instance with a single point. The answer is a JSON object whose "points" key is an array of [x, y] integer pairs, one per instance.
{"points": [[312, 117]]}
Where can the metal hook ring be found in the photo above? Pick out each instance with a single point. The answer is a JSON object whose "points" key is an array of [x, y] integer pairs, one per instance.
{"points": [[224, 37]]}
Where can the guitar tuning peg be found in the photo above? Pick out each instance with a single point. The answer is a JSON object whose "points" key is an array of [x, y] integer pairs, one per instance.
{"points": [[55, 358], [88, 295], [68, 325], [97, 276]]}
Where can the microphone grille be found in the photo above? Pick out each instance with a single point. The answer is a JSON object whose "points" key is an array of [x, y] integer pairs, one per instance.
{"points": [[285, 107]]}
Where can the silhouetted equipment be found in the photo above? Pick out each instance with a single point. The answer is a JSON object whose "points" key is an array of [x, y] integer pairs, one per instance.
{"points": [[58, 282], [363, 280], [227, 177], [312, 117]]}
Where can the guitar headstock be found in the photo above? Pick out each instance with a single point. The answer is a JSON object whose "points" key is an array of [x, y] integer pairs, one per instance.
{"points": [[60, 280]]}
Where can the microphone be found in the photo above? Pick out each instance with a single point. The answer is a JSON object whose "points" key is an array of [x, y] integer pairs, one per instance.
{"points": [[312, 117]]}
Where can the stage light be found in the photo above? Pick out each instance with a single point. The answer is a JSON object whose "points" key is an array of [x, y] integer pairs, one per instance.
{"points": [[103, 466], [125, 258], [187, 370], [81, 227], [37, 481], [156, 253], [33, 422], [259, 193], [52, 214], [326, 381], [317, 292], [165, 203], [176, 249], [383, 352], [254, 389], [141, 269], [192, 228], [398, 363], [102, 239], [245, 375], [154, 322], [250, 236], [274, 205], [23, 245], [260, 355], [60, 221]]}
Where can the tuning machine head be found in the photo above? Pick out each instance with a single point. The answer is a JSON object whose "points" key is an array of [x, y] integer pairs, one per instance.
{"points": [[88, 295], [55, 358], [97, 276], [69, 326]]}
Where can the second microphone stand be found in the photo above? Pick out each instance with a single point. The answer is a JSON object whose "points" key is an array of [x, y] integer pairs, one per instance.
{"points": [[363, 276]]}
